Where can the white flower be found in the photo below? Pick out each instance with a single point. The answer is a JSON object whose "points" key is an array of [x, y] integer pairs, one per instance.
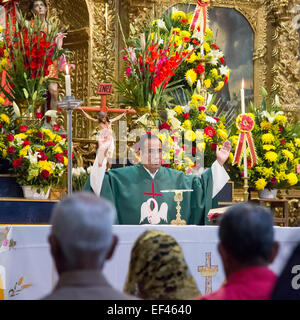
{"points": [[161, 24], [197, 35], [224, 70], [161, 41], [33, 158], [198, 86], [143, 119], [214, 61], [16, 110], [89, 169], [271, 116], [189, 80], [209, 97], [175, 123], [210, 120], [171, 113], [51, 113], [217, 53], [82, 170], [186, 109], [75, 172], [62, 142]]}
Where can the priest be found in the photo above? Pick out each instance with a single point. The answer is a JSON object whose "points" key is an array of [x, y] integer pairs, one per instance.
{"points": [[137, 193]]}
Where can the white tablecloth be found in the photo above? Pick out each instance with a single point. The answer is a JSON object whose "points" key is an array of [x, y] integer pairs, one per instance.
{"points": [[27, 270]]}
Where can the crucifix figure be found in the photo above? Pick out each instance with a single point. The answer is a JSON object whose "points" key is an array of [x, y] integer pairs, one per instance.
{"points": [[208, 271]]}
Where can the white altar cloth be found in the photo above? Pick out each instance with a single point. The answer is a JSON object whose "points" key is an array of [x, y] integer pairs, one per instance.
{"points": [[27, 270]]}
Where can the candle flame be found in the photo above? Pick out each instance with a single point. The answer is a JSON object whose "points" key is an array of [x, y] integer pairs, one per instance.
{"points": [[243, 83], [67, 69]]}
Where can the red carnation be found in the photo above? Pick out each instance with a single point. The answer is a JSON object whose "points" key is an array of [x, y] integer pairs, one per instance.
{"points": [[42, 156], [273, 180], [59, 157], [215, 46], [194, 150], [1, 125], [23, 128], [186, 115], [281, 128], [40, 135], [11, 150], [164, 125], [186, 39], [195, 42], [217, 119], [222, 60], [283, 141], [26, 143], [56, 127], [45, 174], [213, 146], [17, 163], [50, 144], [39, 115], [10, 137], [199, 69], [184, 21], [64, 136], [225, 79], [201, 108], [209, 131]]}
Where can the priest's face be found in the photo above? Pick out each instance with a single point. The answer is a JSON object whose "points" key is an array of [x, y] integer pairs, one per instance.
{"points": [[151, 154]]}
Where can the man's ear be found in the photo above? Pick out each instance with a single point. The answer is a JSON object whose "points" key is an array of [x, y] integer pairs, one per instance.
{"points": [[112, 247]]}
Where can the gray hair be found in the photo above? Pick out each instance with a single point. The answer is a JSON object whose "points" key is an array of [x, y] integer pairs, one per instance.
{"points": [[82, 225], [246, 231]]}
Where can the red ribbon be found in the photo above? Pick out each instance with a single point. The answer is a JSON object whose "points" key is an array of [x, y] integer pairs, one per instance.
{"points": [[201, 6]]}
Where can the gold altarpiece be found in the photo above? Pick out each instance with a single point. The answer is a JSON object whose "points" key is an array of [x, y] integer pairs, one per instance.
{"points": [[94, 40]]}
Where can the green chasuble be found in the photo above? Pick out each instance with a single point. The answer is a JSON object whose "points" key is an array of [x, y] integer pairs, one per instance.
{"points": [[130, 187]]}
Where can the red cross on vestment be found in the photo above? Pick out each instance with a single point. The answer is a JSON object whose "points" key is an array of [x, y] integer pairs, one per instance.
{"points": [[153, 194]]}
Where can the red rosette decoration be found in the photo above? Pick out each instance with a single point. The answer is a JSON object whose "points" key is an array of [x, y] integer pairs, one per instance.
{"points": [[200, 10], [245, 124]]}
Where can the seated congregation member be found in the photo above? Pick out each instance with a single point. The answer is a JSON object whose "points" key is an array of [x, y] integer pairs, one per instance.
{"points": [[157, 269], [136, 190], [81, 240], [246, 247]]}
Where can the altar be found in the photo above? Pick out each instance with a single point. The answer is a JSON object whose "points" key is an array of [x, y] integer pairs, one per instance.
{"points": [[27, 270]]}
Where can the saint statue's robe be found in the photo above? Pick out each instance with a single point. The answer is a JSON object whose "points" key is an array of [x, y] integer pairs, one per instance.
{"points": [[138, 197]]}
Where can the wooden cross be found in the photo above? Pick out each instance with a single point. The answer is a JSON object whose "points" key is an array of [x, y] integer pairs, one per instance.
{"points": [[153, 194], [208, 271]]}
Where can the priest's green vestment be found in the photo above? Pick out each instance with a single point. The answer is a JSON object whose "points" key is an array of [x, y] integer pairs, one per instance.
{"points": [[129, 187]]}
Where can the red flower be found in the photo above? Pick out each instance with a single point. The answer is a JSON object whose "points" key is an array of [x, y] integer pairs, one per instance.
{"points": [[273, 180], [199, 69], [56, 127], [209, 131], [186, 115], [217, 119], [39, 115], [10, 137], [194, 150], [186, 39], [64, 136], [50, 144], [222, 60], [225, 79], [164, 125], [23, 128], [215, 46], [45, 174], [183, 148], [1, 125], [283, 141], [17, 163], [195, 42], [184, 21], [167, 165], [40, 135], [59, 158], [11, 150], [201, 108], [42, 156], [213, 146], [26, 143], [281, 128]]}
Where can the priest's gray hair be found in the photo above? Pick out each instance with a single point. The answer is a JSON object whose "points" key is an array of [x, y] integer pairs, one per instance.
{"points": [[82, 225]]}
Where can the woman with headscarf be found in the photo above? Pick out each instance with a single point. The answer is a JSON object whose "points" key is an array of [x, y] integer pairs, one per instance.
{"points": [[158, 270]]}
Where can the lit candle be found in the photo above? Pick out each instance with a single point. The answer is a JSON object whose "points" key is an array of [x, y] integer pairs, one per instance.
{"points": [[68, 82], [244, 111], [201, 39]]}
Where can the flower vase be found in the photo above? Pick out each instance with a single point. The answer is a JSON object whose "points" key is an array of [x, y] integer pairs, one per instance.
{"points": [[267, 193], [57, 193], [31, 192]]}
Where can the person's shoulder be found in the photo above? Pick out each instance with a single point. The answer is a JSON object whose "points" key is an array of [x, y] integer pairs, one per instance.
{"points": [[122, 170]]}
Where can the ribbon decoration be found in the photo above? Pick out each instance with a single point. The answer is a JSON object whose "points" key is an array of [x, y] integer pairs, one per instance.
{"points": [[245, 124], [10, 8], [200, 9]]}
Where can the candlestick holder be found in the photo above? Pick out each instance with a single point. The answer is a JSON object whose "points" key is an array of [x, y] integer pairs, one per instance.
{"points": [[69, 103], [246, 187]]}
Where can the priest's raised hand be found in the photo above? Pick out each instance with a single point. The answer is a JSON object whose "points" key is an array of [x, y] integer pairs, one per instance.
{"points": [[223, 153]]}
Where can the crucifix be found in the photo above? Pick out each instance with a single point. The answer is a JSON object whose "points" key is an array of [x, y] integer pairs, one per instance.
{"points": [[153, 194], [208, 271]]}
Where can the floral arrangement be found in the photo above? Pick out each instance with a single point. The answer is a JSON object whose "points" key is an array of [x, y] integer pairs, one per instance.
{"points": [[205, 59], [277, 146], [27, 54], [38, 155], [79, 177]]}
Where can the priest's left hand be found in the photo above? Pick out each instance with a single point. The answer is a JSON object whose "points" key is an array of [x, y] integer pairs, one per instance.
{"points": [[223, 153]]}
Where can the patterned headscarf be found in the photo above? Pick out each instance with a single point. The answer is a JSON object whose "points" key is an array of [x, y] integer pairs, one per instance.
{"points": [[158, 270]]}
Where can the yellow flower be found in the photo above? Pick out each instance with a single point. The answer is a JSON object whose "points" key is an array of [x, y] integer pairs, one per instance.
{"points": [[267, 138], [65, 161], [267, 172], [292, 179], [220, 86], [178, 15], [46, 165], [190, 135], [288, 155], [281, 119], [297, 142], [2, 102], [178, 40], [176, 30], [280, 176], [193, 57], [268, 147], [206, 47], [265, 125], [209, 33], [213, 108], [271, 156], [260, 184], [191, 75], [57, 138], [6, 54], [4, 62], [187, 124], [230, 157], [178, 109], [234, 140], [21, 136], [3, 116], [24, 151], [201, 146], [57, 149], [214, 73], [1, 29], [222, 134], [202, 116], [197, 100], [290, 147], [199, 135], [184, 34], [207, 83]]}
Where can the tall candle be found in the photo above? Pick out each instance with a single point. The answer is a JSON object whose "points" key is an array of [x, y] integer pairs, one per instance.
{"points": [[68, 82], [244, 111], [201, 39]]}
